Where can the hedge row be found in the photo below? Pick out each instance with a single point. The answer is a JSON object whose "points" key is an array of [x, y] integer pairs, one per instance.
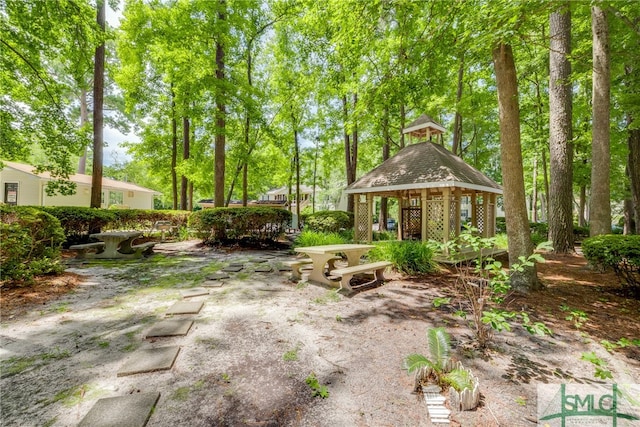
{"points": [[224, 224], [328, 221], [620, 253], [30, 242], [79, 222]]}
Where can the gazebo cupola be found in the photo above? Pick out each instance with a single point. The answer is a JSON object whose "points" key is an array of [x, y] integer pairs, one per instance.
{"points": [[437, 191], [423, 129]]}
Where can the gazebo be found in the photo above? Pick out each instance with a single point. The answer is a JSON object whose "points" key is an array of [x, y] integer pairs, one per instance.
{"points": [[437, 191]]}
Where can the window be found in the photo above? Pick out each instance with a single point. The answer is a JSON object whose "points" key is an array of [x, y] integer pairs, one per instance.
{"points": [[115, 198]]}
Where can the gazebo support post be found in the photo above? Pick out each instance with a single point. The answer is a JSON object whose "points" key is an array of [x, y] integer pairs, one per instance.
{"points": [[369, 217], [423, 213], [458, 195], [485, 215], [474, 211], [446, 193]]}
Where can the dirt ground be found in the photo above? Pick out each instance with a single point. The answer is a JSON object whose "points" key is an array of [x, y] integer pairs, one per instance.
{"points": [[260, 336]]}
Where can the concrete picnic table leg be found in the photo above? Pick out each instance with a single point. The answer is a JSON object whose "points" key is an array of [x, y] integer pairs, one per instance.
{"points": [[317, 274], [125, 246], [353, 256]]}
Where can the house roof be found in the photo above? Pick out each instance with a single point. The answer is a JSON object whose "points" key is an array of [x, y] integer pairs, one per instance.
{"points": [[424, 122], [80, 178], [304, 189], [423, 165]]}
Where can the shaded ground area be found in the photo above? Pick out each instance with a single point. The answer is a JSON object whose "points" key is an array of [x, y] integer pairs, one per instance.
{"points": [[260, 336]]}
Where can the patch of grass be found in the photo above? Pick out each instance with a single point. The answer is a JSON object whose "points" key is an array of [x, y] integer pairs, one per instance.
{"points": [[338, 318], [291, 355], [50, 422], [318, 390], [73, 396], [16, 365], [329, 296], [225, 377], [181, 394], [61, 308], [56, 354], [301, 285], [103, 344]]}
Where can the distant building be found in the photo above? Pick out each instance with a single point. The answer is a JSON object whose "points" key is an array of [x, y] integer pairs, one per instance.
{"points": [[22, 186]]}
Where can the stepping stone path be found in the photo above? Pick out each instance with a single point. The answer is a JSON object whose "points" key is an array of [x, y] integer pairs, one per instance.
{"points": [[134, 410], [194, 292], [185, 308], [170, 328], [438, 413], [150, 360]]}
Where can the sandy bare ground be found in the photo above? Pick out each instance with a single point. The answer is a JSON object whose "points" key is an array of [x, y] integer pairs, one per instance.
{"points": [[259, 336]]}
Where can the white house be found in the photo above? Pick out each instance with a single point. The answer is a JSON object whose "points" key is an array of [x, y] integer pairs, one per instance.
{"points": [[20, 185]]}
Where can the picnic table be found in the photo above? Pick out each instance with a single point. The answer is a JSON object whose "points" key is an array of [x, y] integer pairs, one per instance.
{"points": [[118, 244], [320, 255]]}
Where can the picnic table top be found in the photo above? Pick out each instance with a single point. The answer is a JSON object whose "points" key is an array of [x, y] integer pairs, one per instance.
{"points": [[326, 249]]}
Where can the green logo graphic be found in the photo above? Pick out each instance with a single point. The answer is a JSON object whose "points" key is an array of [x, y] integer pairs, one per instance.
{"points": [[594, 405]]}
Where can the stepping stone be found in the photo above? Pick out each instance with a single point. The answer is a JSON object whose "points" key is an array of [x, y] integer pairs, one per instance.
{"points": [[132, 410], [170, 328], [233, 268], [194, 292], [218, 276], [150, 360], [191, 307], [263, 269], [213, 284]]}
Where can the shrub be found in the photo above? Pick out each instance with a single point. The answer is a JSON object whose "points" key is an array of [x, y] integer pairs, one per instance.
{"points": [[30, 243], [222, 224], [314, 238], [409, 257], [501, 224], [329, 221], [621, 253], [580, 233]]}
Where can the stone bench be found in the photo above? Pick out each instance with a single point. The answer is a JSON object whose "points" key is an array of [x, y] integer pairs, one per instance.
{"points": [[83, 249], [347, 273], [297, 264], [144, 248]]}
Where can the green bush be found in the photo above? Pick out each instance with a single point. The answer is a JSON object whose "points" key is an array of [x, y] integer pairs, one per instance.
{"points": [[30, 242], [409, 257], [580, 233], [328, 221], [620, 253], [224, 224], [315, 238], [79, 222], [501, 224], [385, 235]]}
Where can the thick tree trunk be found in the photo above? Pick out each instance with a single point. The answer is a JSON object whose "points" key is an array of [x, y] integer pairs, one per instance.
{"points": [[600, 205], [184, 184], [98, 114], [544, 200], [347, 150], [384, 203], [560, 132], [297, 164], [534, 195], [84, 118], [174, 151], [518, 233], [220, 139], [582, 218]]}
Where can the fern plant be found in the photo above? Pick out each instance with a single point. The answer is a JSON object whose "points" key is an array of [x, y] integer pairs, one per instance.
{"points": [[437, 367]]}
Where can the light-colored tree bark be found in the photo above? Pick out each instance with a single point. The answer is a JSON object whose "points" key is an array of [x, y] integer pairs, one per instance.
{"points": [[220, 139], [560, 132], [600, 207], [518, 234]]}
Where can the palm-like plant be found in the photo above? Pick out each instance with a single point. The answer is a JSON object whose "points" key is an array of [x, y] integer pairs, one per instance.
{"points": [[438, 367]]}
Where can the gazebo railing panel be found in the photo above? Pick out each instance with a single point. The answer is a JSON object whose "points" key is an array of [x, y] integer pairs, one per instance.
{"points": [[411, 222], [480, 218], [491, 226], [453, 232], [361, 223], [435, 219]]}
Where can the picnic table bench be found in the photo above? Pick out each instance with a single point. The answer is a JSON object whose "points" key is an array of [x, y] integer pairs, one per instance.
{"points": [[83, 249], [347, 273], [297, 264]]}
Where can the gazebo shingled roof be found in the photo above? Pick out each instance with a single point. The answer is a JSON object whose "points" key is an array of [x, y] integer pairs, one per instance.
{"points": [[423, 165]]}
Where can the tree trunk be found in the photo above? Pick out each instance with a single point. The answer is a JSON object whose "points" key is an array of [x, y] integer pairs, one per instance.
{"points": [[174, 151], [84, 118], [518, 234], [220, 141], [457, 126], [582, 219], [633, 170], [544, 209], [534, 195], [600, 207], [560, 132], [347, 150], [297, 165], [403, 120], [384, 203], [98, 116], [184, 184]]}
